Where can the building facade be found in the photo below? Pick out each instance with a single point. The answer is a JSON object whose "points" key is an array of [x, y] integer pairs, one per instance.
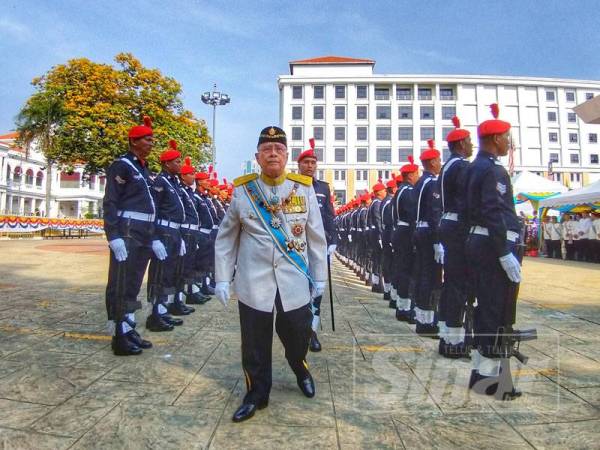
{"points": [[366, 125], [23, 185]]}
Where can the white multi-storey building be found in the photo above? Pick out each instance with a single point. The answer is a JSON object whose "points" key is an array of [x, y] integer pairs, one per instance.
{"points": [[23, 185], [366, 124]]}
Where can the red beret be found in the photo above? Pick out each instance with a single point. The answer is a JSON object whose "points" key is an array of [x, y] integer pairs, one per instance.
{"points": [[310, 153], [457, 134], [365, 197], [379, 187], [398, 178], [493, 126], [391, 183], [201, 176], [431, 152], [214, 182], [171, 153], [410, 167], [187, 167], [141, 130]]}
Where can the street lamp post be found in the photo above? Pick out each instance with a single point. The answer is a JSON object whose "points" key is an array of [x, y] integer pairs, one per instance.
{"points": [[214, 99]]}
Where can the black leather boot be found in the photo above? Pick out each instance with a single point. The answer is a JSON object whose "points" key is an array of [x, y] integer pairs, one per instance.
{"points": [[314, 344], [121, 345], [155, 323]]}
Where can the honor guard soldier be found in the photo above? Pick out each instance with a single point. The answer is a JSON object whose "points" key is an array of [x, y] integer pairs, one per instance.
{"points": [[429, 251], [307, 164], [272, 236], [375, 244], [203, 185], [129, 213], [387, 254], [491, 249], [453, 235], [402, 240], [168, 245]]}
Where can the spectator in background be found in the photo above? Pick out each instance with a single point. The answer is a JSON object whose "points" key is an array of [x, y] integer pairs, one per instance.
{"points": [[583, 230], [554, 241], [569, 236], [545, 232]]}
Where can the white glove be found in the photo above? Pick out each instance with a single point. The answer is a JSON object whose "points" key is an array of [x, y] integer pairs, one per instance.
{"points": [[511, 266], [159, 250], [182, 250], [349, 238], [438, 250], [380, 243], [119, 249], [331, 249], [222, 292], [318, 289]]}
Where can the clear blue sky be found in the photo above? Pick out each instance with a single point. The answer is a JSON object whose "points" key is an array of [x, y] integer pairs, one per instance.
{"points": [[244, 45]]}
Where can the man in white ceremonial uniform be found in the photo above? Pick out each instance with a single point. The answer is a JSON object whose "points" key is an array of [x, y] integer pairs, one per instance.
{"points": [[271, 245]]}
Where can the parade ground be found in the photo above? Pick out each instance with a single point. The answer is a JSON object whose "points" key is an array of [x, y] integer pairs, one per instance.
{"points": [[378, 384]]}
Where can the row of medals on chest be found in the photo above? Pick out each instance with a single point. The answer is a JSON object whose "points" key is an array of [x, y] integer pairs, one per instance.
{"points": [[275, 205]]}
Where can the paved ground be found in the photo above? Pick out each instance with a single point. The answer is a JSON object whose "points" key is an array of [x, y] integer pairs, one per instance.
{"points": [[378, 384]]}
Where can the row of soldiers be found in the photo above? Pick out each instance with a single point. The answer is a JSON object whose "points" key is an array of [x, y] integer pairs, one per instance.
{"points": [[443, 248], [169, 220]]}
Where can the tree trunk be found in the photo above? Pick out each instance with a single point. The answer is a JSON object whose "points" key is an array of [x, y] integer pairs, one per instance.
{"points": [[48, 186]]}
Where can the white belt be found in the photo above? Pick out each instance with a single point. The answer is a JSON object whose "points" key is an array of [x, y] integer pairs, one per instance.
{"points": [[450, 216], [189, 226], [215, 227], [144, 217], [359, 229], [511, 236], [422, 224], [402, 223], [168, 223], [373, 227], [205, 230]]}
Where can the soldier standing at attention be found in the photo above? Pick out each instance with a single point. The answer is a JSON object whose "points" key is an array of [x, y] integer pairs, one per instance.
{"points": [[272, 238]]}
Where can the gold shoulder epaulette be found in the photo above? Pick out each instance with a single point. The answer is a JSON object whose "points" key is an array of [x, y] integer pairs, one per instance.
{"points": [[302, 179], [244, 179]]}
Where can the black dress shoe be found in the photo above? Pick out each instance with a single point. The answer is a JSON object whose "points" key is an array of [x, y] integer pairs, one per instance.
{"points": [[196, 299], [191, 309], [314, 344], [307, 385], [387, 295], [172, 320], [246, 411], [403, 316], [177, 309], [392, 304], [156, 323], [377, 289], [427, 330], [135, 337], [453, 351], [122, 346]]}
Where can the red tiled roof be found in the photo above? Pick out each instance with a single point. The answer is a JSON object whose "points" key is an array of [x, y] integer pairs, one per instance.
{"points": [[333, 60], [12, 135]]}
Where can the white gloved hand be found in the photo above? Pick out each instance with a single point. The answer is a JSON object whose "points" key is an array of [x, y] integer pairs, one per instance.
{"points": [[159, 250], [331, 249], [511, 266], [438, 250], [380, 243], [119, 249], [182, 250], [318, 289], [222, 292], [349, 238]]}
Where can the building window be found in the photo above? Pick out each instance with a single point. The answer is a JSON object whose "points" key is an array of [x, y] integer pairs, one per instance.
{"points": [[339, 175], [340, 91], [594, 158], [589, 95], [446, 131], [446, 94], [296, 112], [320, 174], [340, 133], [318, 133], [575, 176], [296, 153], [405, 112], [448, 112], [550, 97], [297, 92], [319, 154], [574, 157], [405, 133], [318, 92], [362, 175], [361, 112], [339, 154], [384, 112], [427, 133], [424, 93], [362, 154], [554, 158], [39, 178], [445, 154], [551, 116], [570, 96], [573, 138], [403, 93], [571, 117], [383, 175], [404, 153], [382, 93], [340, 112], [361, 91], [593, 138], [340, 196], [29, 177], [17, 175], [384, 154], [317, 112], [553, 136], [427, 112], [383, 133], [361, 133], [296, 133]]}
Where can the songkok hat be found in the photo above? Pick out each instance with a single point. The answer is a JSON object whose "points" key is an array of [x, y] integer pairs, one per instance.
{"points": [[272, 134]]}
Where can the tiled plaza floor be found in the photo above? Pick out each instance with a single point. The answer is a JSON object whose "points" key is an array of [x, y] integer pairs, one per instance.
{"points": [[378, 384]]}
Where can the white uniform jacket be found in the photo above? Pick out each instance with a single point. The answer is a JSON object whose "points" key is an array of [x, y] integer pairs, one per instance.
{"points": [[246, 254]]}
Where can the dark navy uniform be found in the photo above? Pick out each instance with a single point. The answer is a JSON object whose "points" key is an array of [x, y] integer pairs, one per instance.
{"points": [[387, 257], [206, 251], [427, 273], [189, 232], [403, 215], [374, 244]]}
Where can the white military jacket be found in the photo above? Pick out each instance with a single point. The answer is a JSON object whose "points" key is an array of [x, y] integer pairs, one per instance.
{"points": [[246, 254]]}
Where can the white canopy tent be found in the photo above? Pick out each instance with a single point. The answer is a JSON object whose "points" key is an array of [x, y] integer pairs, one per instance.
{"points": [[584, 195], [530, 183]]}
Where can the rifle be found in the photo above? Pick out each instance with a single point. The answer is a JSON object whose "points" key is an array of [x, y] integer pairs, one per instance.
{"points": [[119, 305], [179, 268], [330, 292]]}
